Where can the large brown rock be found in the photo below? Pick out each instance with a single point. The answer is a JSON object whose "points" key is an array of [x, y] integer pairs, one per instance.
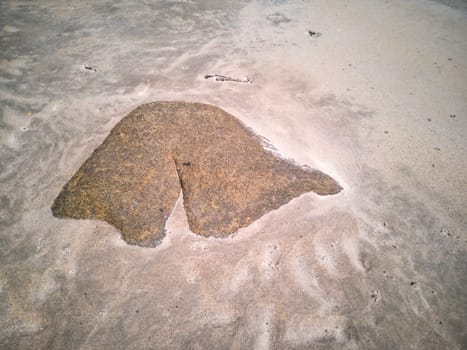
{"points": [[228, 179]]}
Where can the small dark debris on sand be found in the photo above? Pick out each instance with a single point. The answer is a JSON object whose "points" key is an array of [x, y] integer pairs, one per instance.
{"points": [[446, 232], [313, 33], [90, 68], [219, 77], [374, 295]]}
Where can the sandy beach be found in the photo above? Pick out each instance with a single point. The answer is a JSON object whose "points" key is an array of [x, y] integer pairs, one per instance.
{"points": [[373, 93]]}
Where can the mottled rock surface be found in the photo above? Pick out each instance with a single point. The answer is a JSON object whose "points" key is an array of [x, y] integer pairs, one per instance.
{"points": [[228, 179]]}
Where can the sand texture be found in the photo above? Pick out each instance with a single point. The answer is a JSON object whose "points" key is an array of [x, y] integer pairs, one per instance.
{"points": [[228, 179], [372, 93]]}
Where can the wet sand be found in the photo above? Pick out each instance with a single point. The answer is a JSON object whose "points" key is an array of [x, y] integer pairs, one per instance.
{"points": [[371, 93]]}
